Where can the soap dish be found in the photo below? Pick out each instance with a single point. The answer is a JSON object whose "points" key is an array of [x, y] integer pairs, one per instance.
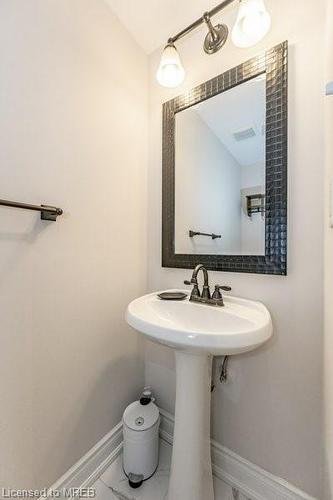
{"points": [[172, 295]]}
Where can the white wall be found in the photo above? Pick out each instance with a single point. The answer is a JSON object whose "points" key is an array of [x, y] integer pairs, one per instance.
{"points": [[207, 189], [70, 104], [328, 263], [271, 411]]}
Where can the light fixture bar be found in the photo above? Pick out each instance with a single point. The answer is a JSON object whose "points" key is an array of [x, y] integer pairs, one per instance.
{"points": [[253, 23], [200, 21]]}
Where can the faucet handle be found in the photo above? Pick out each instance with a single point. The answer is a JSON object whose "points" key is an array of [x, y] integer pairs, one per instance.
{"points": [[223, 287], [217, 295], [195, 291]]}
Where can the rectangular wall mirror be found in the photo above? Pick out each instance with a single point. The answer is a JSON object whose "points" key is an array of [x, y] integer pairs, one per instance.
{"points": [[225, 170]]}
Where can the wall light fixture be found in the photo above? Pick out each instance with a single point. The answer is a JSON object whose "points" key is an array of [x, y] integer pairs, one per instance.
{"points": [[252, 24]]}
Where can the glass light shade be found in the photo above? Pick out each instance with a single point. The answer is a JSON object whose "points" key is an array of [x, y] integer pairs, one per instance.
{"points": [[170, 72], [252, 24]]}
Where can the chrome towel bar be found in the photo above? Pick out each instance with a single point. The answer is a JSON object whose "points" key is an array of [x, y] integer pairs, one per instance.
{"points": [[46, 212]]}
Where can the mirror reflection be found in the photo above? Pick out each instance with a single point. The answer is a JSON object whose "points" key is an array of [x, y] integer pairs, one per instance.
{"points": [[220, 173]]}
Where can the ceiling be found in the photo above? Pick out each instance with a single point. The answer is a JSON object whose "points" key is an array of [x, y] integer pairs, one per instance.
{"points": [[239, 109], [152, 22]]}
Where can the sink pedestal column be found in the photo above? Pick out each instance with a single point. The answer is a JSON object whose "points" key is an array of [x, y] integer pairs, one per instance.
{"points": [[191, 470]]}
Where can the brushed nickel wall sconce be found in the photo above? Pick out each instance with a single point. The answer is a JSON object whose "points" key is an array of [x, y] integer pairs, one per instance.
{"points": [[252, 24]]}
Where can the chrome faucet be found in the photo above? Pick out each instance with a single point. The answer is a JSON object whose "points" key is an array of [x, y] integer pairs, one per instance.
{"points": [[205, 297]]}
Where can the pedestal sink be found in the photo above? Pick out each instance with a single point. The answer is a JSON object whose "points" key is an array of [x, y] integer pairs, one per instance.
{"points": [[197, 332]]}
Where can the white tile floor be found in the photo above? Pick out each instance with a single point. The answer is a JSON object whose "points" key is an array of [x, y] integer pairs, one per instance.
{"points": [[113, 484]]}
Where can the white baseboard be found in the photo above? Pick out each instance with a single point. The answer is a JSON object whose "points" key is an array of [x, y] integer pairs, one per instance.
{"points": [[92, 465], [250, 480]]}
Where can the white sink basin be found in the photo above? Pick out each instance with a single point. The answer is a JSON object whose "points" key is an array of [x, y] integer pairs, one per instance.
{"points": [[240, 326], [196, 332]]}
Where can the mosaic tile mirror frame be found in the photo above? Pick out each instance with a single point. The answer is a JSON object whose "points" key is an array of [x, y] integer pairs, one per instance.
{"points": [[274, 65]]}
